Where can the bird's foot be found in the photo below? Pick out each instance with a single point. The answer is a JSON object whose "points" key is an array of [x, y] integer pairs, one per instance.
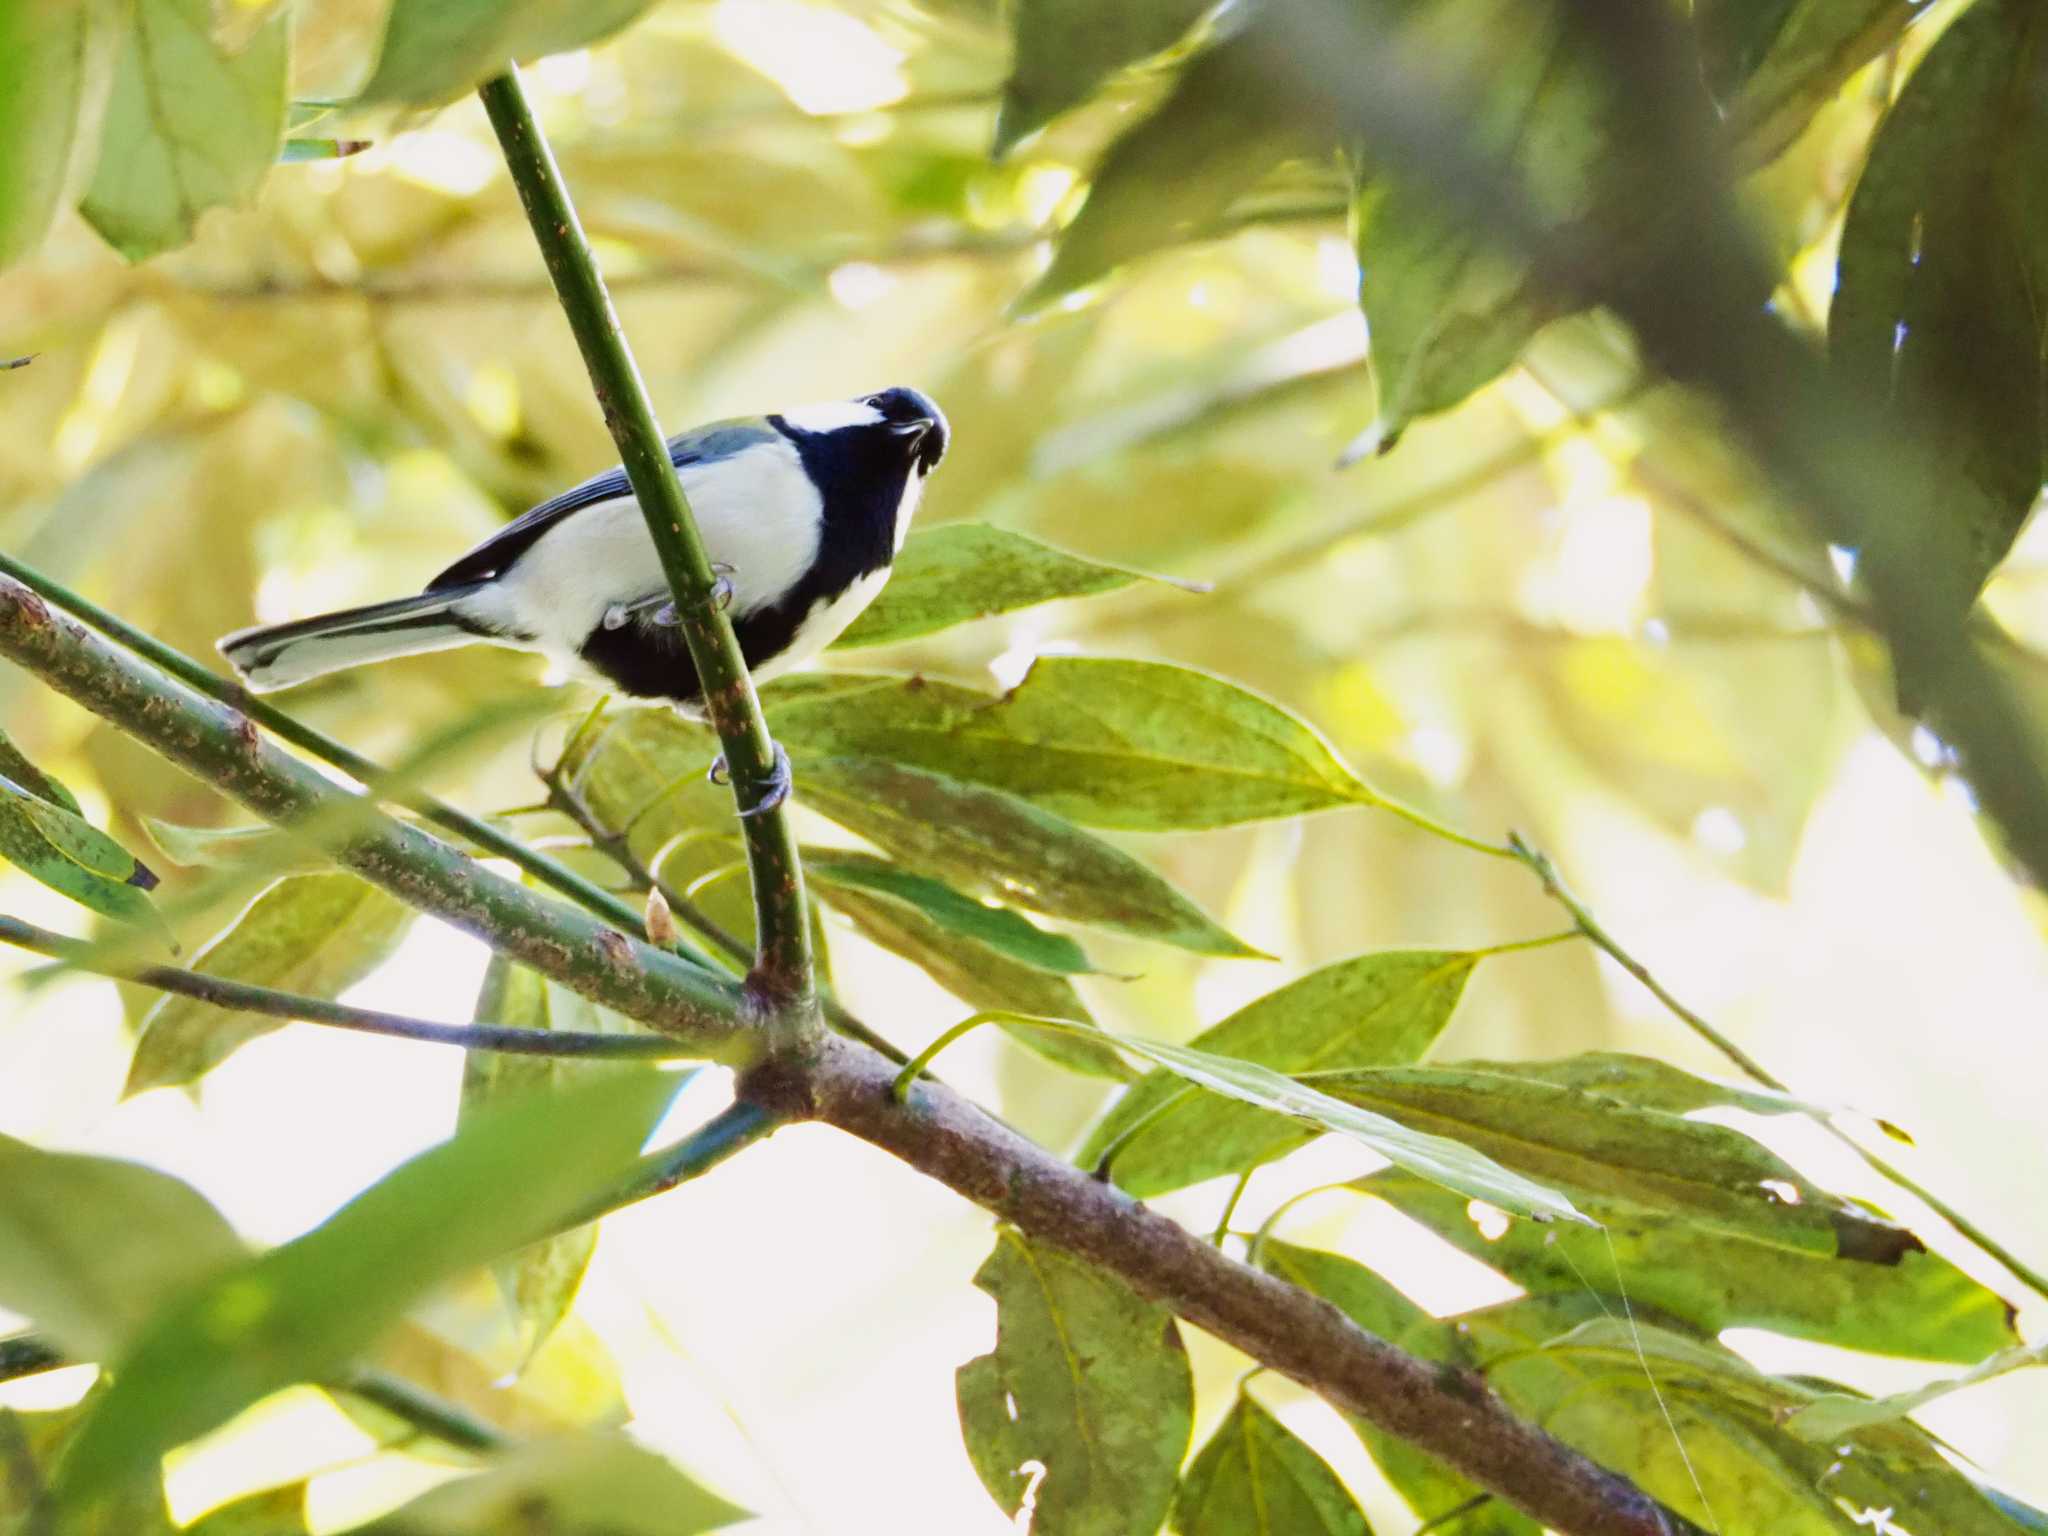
{"points": [[773, 793], [661, 609]]}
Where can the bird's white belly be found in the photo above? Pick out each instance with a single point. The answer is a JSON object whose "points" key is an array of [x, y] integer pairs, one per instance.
{"points": [[827, 621]]}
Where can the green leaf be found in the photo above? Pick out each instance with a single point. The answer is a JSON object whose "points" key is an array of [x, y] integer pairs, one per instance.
{"points": [[597, 1484], [302, 1310], [1089, 1382], [1449, 1162], [984, 840], [1228, 121], [279, 1511], [33, 1447], [71, 856], [14, 764], [961, 572], [298, 151], [263, 848], [1935, 320], [1137, 746], [1773, 63], [1428, 1487], [1616, 1156], [1448, 310], [1917, 1304], [539, 1283], [90, 1247], [313, 934], [1381, 1009], [54, 68], [1838, 1413], [996, 928], [434, 50], [1255, 1478], [1066, 50], [189, 126], [1647, 1083], [979, 976]]}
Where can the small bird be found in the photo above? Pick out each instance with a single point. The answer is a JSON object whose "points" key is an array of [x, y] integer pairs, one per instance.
{"points": [[801, 513]]}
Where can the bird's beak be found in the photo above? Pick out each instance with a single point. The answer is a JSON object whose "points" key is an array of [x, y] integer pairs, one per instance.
{"points": [[921, 436], [914, 429]]}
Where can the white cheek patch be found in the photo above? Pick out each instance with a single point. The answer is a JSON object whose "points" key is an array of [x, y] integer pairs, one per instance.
{"points": [[832, 416]]}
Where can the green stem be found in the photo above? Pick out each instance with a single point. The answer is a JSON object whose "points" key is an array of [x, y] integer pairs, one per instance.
{"points": [[241, 996], [592, 898], [733, 1129], [1105, 1165], [1222, 1231], [425, 1412], [1553, 884], [783, 968]]}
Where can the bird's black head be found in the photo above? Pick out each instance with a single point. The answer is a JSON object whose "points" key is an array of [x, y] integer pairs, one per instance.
{"points": [[913, 415]]}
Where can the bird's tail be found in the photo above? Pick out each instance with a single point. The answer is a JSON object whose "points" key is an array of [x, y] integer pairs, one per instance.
{"points": [[278, 655]]}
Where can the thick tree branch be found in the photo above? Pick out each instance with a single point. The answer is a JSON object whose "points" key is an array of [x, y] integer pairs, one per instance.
{"points": [[847, 1085], [1450, 1414], [242, 997], [222, 747], [481, 834], [783, 972]]}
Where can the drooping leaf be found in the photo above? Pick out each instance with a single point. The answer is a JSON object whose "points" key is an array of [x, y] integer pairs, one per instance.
{"points": [[1229, 120], [979, 976], [70, 855], [1449, 1162], [996, 928], [1256, 1478], [509, 1178], [53, 80], [14, 764], [1066, 49], [1380, 1009], [189, 126], [1446, 309], [985, 840], [597, 1484], [1613, 1154], [1428, 1487], [1838, 1413], [539, 1282], [1915, 1304], [90, 1247], [1936, 316], [960, 572], [1773, 63], [313, 934], [1088, 1382], [1647, 1083], [434, 50], [1137, 746]]}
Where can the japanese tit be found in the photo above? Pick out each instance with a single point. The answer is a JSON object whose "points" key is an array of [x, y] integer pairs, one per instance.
{"points": [[802, 513]]}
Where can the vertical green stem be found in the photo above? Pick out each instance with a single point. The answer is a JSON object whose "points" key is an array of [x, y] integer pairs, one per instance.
{"points": [[783, 973]]}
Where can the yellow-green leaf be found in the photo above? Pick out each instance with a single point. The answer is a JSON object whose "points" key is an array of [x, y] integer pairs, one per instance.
{"points": [[1088, 1385], [508, 1178], [55, 64], [1256, 1478], [312, 934], [189, 125], [434, 50], [70, 855], [1380, 1009], [961, 572], [1138, 746], [90, 1247], [1066, 49]]}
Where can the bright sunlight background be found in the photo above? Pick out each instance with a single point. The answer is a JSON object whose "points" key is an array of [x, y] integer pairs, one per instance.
{"points": [[1530, 614]]}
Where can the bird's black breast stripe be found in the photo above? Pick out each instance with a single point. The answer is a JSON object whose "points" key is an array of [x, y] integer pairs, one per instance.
{"points": [[866, 474]]}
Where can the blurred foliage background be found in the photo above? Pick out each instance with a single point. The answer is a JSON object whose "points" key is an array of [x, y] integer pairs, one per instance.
{"points": [[1560, 607]]}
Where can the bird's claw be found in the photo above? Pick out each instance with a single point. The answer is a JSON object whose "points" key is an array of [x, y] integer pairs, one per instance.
{"points": [[773, 793], [664, 614]]}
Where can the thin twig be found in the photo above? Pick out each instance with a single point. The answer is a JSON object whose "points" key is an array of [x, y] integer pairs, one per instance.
{"points": [[240, 996]]}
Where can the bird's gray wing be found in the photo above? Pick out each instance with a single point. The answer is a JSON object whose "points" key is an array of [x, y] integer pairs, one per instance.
{"points": [[491, 558]]}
